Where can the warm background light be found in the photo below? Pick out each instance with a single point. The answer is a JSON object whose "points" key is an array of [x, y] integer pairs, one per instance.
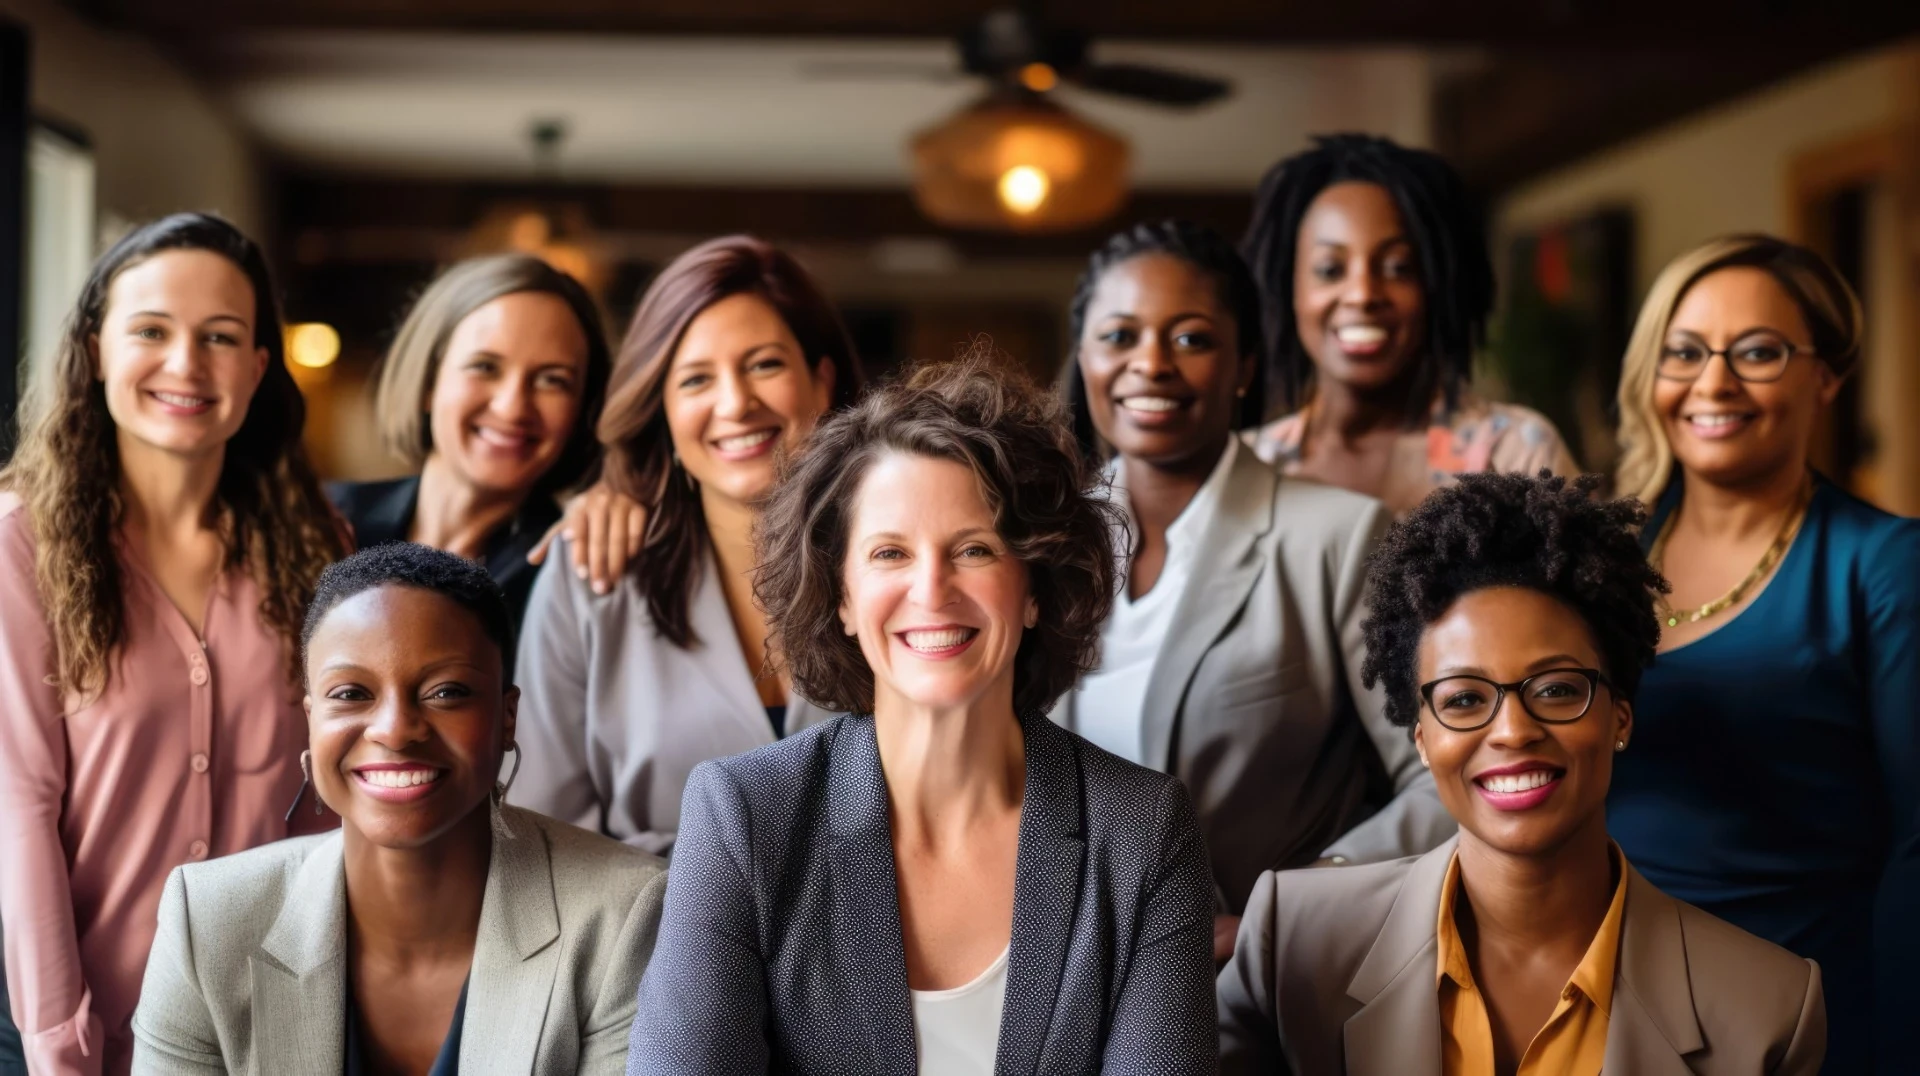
{"points": [[312, 344], [1039, 77], [1023, 188], [1020, 165]]}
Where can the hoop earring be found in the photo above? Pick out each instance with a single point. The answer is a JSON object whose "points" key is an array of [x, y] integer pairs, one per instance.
{"points": [[500, 787], [306, 782]]}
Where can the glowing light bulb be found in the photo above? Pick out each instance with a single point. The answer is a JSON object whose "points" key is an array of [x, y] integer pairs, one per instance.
{"points": [[1023, 188], [313, 344], [1039, 77]]}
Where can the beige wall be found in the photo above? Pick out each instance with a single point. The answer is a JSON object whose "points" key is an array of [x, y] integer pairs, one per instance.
{"points": [[160, 143], [1724, 170]]}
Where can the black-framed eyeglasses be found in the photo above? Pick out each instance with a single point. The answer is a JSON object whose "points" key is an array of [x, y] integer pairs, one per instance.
{"points": [[1553, 697], [1756, 357]]}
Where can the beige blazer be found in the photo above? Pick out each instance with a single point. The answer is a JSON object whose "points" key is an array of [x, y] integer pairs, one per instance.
{"points": [[249, 972], [1333, 973], [1255, 699]]}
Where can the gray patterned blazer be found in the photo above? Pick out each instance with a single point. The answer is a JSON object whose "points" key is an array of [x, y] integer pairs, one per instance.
{"points": [[780, 948], [249, 971]]}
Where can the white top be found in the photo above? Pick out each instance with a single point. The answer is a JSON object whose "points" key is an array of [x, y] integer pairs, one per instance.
{"points": [[1108, 708], [957, 1032]]}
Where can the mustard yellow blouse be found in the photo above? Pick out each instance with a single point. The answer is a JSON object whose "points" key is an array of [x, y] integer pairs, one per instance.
{"points": [[1574, 1040]]}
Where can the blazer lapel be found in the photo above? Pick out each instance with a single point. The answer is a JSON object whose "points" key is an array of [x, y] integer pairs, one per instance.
{"points": [[1046, 893], [515, 956], [300, 973], [720, 658], [1652, 1026], [1225, 568], [866, 905], [1397, 1030]]}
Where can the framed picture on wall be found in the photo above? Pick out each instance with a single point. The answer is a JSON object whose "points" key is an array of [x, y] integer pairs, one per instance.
{"points": [[1557, 341]]}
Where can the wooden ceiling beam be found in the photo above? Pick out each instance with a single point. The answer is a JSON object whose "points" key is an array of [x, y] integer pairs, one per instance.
{"points": [[310, 206], [1490, 23]]}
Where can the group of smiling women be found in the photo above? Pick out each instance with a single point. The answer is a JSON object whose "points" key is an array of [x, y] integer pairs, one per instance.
{"points": [[953, 725]]}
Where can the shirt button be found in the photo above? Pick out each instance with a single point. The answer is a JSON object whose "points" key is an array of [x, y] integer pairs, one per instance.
{"points": [[199, 763], [197, 850], [198, 676]]}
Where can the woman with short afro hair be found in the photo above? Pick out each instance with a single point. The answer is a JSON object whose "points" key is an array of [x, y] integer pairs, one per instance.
{"points": [[1511, 620]]}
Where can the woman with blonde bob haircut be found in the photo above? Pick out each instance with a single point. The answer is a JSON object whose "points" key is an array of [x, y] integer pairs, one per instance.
{"points": [[490, 392], [1775, 777]]}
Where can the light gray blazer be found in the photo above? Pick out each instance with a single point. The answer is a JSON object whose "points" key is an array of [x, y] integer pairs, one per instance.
{"points": [[613, 717], [249, 971], [1255, 700], [1333, 974]]}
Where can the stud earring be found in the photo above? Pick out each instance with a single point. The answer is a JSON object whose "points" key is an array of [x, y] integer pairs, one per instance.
{"points": [[1619, 745]]}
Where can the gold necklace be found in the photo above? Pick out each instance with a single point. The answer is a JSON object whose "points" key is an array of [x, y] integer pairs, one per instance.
{"points": [[1771, 557]]}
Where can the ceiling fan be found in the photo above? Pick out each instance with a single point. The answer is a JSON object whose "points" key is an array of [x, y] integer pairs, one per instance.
{"points": [[1019, 53]]}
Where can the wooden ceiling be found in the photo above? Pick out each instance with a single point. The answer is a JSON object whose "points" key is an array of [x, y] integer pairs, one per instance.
{"points": [[1559, 79], [1625, 23]]}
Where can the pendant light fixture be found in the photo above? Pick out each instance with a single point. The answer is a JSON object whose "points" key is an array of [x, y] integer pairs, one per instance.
{"points": [[1017, 161]]}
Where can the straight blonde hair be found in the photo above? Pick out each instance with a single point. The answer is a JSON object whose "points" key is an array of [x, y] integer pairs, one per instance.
{"points": [[1826, 301], [413, 362]]}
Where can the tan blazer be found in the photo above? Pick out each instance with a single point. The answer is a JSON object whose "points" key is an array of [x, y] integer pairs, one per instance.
{"points": [[249, 972], [1255, 699], [1333, 973]]}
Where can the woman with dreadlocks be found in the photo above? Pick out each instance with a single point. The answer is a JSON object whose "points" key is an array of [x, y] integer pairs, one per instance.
{"points": [[1232, 656], [1376, 285]]}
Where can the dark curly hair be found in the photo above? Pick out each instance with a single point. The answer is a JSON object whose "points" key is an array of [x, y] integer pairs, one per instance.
{"points": [[1205, 250], [408, 564], [1508, 530], [1449, 239], [1015, 439]]}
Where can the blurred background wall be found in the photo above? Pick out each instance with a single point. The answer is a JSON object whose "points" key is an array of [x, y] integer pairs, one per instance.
{"points": [[368, 142]]}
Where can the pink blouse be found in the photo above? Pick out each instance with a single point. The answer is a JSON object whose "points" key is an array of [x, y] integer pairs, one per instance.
{"points": [[191, 751]]}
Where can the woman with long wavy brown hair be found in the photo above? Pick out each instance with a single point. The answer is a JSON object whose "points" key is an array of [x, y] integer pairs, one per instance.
{"points": [[732, 357], [160, 535]]}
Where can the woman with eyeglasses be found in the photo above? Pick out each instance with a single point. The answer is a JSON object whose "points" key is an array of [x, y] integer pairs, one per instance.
{"points": [[1775, 781], [1512, 623]]}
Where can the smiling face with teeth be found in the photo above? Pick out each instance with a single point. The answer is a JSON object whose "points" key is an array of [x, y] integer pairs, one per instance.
{"points": [[507, 392], [408, 715], [738, 390], [1163, 362], [1358, 302], [931, 590], [1519, 786], [1734, 433], [176, 354]]}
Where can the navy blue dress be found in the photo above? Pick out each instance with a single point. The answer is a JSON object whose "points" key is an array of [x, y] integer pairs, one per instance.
{"points": [[1774, 774]]}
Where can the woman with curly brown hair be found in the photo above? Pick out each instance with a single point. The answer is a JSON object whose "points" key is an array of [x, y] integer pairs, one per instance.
{"points": [[943, 881], [160, 535]]}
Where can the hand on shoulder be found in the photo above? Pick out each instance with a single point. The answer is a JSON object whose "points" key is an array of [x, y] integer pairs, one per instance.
{"points": [[604, 530]]}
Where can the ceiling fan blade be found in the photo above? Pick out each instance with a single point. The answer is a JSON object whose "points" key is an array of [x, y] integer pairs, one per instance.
{"points": [[1155, 84], [879, 70]]}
